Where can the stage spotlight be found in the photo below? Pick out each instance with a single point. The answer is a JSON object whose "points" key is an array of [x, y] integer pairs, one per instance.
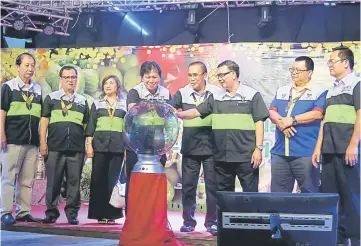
{"points": [[90, 21], [49, 29], [191, 20], [19, 24]]}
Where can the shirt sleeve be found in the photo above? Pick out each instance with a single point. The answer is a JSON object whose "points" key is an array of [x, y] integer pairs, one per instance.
{"points": [[169, 101], [177, 100], [206, 107], [320, 103], [47, 106], [274, 103], [356, 96], [86, 113], [91, 126], [259, 108], [133, 97], [5, 97]]}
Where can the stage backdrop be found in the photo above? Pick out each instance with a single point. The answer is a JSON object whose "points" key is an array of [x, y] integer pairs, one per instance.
{"points": [[263, 66]]}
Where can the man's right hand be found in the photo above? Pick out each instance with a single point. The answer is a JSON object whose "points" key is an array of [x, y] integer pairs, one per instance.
{"points": [[89, 151], [289, 132], [44, 149], [316, 157]]}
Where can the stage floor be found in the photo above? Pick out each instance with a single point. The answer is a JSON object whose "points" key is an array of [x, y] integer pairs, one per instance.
{"points": [[90, 228]]}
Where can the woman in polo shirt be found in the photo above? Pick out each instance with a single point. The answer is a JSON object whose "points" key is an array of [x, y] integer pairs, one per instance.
{"points": [[106, 145]]}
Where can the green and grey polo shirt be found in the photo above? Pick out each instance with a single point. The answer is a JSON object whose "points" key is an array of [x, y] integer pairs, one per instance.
{"points": [[233, 122], [23, 109], [67, 116], [140, 92], [342, 103], [106, 127], [196, 139]]}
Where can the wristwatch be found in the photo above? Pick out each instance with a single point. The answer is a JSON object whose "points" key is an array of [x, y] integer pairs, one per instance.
{"points": [[260, 147], [294, 121]]}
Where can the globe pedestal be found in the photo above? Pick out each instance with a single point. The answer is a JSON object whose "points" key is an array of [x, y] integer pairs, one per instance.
{"points": [[148, 164], [150, 129]]}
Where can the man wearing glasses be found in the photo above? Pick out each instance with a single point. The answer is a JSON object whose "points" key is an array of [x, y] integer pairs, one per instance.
{"points": [[339, 144], [297, 111], [197, 148], [238, 113], [62, 143]]}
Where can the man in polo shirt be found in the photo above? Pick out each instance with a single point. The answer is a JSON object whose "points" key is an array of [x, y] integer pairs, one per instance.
{"points": [[148, 89], [197, 148], [20, 115], [238, 114], [63, 118], [339, 144], [297, 110]]}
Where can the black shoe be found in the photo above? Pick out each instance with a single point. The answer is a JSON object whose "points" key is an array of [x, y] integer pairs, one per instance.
{"points": [[213, 230], [185, 228], [73, 221], [28, 218], [8, 219], [50, 220]]}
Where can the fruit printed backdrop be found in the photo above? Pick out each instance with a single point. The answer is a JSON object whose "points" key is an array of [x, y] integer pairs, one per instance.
{"points": [[264, 66]]}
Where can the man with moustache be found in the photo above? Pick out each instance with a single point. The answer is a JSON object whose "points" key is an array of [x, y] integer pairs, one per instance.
{"points": [[197, 148], [20, 114], [64, 116], [339, 143], [238, 115], [148, 89], [297, 111]]}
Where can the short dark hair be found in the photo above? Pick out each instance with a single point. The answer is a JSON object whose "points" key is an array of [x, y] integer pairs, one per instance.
{"points": [[232, 66], [117, 81], [67, 68], [204, 67], [344, 53], [148, 66], [310, 65], [20, 57]]}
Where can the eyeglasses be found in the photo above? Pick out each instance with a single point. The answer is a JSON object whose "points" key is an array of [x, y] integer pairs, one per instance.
{"points": [[69, 77], [194, 75], [221, 75], [332, 62], [295, 70]]}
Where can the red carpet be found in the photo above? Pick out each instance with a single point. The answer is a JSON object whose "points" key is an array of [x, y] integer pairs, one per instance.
{"points": [[174, 218]]}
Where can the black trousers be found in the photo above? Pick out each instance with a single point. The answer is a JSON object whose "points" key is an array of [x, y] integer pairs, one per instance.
{"points": [[55, 165], [106, 167], [130, 161], [191, 166], [337, 177], [226, 173]]}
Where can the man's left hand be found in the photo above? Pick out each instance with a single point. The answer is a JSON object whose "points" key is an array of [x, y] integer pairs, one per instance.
{"points": [[256, 158], [285, 123], [351, 155]]}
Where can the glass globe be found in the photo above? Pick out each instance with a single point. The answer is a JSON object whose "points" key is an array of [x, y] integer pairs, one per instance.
{"points": [[151, 127]]}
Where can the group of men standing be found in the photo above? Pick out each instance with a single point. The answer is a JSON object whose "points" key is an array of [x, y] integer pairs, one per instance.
{"points": [[223, 131]]}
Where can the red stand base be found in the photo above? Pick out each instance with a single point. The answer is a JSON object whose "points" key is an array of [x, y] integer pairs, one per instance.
{"points": [[146, 222]]}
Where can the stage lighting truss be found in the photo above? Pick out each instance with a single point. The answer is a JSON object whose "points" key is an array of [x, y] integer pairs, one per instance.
{"points": [[24, 14], [33, 16]]}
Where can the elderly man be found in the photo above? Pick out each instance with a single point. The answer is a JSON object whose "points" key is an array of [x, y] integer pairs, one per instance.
{"points": [[197, 148], [20, 115]]}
